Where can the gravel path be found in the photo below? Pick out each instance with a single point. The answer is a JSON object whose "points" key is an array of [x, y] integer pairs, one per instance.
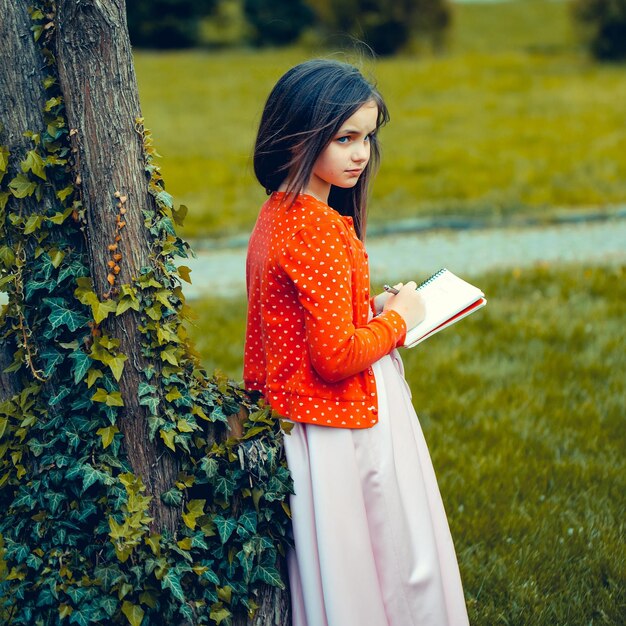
{"points": [[403, 257], [414, 256]]}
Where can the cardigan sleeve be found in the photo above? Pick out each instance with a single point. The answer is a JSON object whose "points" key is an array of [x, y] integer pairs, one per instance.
{"points": [[318, 263]]}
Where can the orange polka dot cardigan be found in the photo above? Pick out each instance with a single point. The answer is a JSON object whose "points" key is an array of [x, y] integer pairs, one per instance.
{"points": [[310, 342]]}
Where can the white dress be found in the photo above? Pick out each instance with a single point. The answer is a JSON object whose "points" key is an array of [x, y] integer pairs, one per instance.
{"points": [[372, 542]]}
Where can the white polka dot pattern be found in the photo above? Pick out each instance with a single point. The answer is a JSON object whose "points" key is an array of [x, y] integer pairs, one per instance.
{"points": [[310, 342]]}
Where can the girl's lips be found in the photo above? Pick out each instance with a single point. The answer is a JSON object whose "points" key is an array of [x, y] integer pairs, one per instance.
{"points": [[355, 172]]}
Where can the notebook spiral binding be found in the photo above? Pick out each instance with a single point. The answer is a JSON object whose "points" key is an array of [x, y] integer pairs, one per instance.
{"points": [[431, 279]]}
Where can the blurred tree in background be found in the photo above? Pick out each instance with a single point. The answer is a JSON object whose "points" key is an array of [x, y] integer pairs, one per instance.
{"points": [[603, 25], [277, 22], [386, 25], [167, 23]]}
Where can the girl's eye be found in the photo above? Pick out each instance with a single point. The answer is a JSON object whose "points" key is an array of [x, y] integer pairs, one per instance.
{"points": [[343, 139]]}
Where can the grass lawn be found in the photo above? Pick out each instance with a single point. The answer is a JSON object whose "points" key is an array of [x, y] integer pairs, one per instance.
{"points": [[522, 406], [513, 118]]}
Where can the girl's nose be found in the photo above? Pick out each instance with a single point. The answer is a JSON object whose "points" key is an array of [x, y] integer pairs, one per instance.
{"points": [[361, 153]]}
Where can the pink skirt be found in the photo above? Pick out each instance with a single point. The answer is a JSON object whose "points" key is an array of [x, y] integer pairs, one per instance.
{"points": [[372, 542]]}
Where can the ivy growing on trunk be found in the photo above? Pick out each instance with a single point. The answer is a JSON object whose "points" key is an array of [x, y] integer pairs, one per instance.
{"points": [[134, 488]]}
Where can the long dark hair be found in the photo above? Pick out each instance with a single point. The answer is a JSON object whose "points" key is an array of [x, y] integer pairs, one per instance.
{"points": [[302, 114]]}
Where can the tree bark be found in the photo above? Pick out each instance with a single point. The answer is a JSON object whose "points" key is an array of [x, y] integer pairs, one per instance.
{"points": [[99, 89], [22, 100]]}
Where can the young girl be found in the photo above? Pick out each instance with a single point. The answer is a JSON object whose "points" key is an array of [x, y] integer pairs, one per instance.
{"points": [[372, 544]]}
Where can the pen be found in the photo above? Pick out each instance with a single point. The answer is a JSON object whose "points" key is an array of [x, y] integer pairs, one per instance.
{"points": [[390, 289]]}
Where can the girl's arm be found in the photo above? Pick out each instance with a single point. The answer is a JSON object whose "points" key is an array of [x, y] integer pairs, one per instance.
{"points": [[317, 262]]}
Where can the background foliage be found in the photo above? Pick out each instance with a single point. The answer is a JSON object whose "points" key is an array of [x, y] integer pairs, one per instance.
{"points": [[277, 22], [385, 25], [513, 120], [603, 26], [522, 409], [167, 23]]}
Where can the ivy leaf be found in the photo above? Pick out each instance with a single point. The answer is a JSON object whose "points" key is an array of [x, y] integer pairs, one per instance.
{"points": [[211, 576], [246, 559], [93, 375], [47, 267], [24, 499], [187, 612], [61, 393], [173, 394], [219, 613], [34, 562], [74, 438], [225, 527], [33, 223], [210, 466], [169, 355], [184, 426], [144, 388], [268, 575], [197, 410], [56, 256], [101, 310], [33, 163], [152, 402], [82, 617], [133, 612], [52, 358], [155, 311], [171, 581], [59, 217], [195, 509], [54, 500], [108, 604], [107, 434], [226, 486], [168, 438], [81, 365], [60, 314], [108, 575], [117, 365], [84, 293], [7, 257], [110, 399], [184, 272], [75, 268], [21, 186], [172, 497], [165, 198], [65, 192], [4, 160], [127, 302], [248, 521], [91, 475], [180, 214], [52, 102]]}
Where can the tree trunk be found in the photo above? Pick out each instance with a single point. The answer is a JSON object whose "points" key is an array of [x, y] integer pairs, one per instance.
{"points": [[102, 103], [98, 85], [22, 100]]}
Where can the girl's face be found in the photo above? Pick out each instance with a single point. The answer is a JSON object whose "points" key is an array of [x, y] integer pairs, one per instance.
{"points": [[343, 160]]}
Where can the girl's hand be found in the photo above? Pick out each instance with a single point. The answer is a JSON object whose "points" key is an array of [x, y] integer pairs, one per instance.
{"points": [[408, 303], [381, 299]]}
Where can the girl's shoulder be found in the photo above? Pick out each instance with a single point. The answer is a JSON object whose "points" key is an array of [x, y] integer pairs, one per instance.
{"points": [[305, 211]]}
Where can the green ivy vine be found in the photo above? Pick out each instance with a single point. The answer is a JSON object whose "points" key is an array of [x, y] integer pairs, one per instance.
{"points": [[76, 541]]}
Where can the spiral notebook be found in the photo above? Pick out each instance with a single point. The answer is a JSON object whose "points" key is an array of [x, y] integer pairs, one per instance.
{"points": [[448, 299]]}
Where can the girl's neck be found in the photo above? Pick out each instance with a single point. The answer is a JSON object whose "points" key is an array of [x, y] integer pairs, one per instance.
{"points": [[317, 188]]}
